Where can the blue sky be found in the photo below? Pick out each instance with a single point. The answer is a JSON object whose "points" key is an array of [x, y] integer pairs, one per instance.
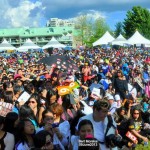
{"points": [[35, 13]]}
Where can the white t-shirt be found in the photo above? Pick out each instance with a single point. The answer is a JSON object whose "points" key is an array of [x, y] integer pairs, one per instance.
{"points": [[113, 107], [98, 127], [74, 142], [99, 130], [9, 141], [22, 146], [64, 129]]}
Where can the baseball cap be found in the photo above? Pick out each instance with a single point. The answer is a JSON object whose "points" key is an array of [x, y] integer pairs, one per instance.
{"points": [[117, 97], [110, 97]]}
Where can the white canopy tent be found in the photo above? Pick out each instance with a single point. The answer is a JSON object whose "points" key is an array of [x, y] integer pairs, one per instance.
{"points": [[147, 45], [54, 43], [105, 39], [28, 45], [120, 40], [137, 38], [5, 45]]}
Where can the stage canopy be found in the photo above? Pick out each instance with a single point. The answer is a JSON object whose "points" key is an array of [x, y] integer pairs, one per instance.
{"points": [[5, 45], [28, 45], [54, 43], [137, 38], [120, 40], [105, 39]]}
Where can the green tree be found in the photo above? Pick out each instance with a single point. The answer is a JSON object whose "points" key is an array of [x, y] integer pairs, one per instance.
{"points": [[90, 29], [119, 29], [99, 28], [137, 19]]}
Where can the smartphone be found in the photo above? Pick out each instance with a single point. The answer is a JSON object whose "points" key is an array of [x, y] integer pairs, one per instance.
{"points": [[55, 125]]}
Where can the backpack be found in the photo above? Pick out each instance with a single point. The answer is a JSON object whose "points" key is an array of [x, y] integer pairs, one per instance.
{"points": [[112, 140]]}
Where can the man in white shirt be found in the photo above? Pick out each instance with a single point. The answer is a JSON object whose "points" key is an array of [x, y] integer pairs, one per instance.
{"points": [[100, 121]]}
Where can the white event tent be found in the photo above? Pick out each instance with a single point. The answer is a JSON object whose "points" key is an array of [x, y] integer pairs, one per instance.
{"points": [[28, 45], [54, 43], [5, 45], [137, 38], [105, 39], [120, 40]]}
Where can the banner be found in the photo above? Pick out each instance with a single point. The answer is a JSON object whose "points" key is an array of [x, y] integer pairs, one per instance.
{"points": [[63, 90], [5, 108], [74, 85]]}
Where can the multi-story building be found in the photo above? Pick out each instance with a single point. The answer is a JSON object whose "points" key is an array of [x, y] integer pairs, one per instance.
{"points": [[55, 22], [40, 36]]}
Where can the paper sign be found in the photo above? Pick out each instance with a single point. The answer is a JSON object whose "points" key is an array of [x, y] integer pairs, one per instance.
{"points": [[131, 136], [24, 97], [96, 91], [5, 108]]}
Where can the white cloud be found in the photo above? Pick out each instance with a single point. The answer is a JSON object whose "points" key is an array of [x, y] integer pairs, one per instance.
{"points": [[22, 14], [95, 14], [91, 14], [19, 13]]}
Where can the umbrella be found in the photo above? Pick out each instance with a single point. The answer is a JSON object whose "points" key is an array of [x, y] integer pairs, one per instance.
{"points": [[69, 48], [94, 85], [61, 62]]}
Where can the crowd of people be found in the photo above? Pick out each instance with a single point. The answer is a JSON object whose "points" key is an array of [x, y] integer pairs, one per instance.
{"points": [[108, 106]]}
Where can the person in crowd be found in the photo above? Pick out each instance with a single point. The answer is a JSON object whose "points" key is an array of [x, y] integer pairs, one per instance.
{"points": [[8, 97], [53, 129], [136, 126], [26, 112], [25, 135], [113, 105], [121, 87], [86, 70], [19, 82], [7, 140], [99, 121], [68, 111], [51, 98], [85, 127], [145, 104], [11, 121], [42, 95], [57, 111], [121, 117], [8, 86], [118, 100], [34, 103], [110, 90], [43, 140]]}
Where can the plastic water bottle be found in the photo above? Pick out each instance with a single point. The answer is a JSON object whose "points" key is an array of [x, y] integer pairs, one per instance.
{"points": [[145, 143]]}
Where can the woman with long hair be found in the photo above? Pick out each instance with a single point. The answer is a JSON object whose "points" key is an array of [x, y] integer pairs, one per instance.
{"points": [[136, 126], [34, 103], [120, 85], [26, 131], [26, 112]]}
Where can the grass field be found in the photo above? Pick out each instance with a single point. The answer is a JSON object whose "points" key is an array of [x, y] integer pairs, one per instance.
{"points": [[142, 147]]}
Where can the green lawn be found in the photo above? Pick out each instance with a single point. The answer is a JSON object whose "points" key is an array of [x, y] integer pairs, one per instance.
{"points": [[142, 147]]}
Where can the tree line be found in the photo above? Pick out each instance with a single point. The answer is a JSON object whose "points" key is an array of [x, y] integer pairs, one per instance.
{"points": [[90, 29]]}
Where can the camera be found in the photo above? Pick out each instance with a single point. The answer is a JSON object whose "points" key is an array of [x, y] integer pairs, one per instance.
{"points": [[113, 140], [55, 125]]}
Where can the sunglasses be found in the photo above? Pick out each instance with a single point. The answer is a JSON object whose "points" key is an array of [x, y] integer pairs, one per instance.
{"points": [[32, 102], [49, 118], [105, 105], [136, 113]]}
